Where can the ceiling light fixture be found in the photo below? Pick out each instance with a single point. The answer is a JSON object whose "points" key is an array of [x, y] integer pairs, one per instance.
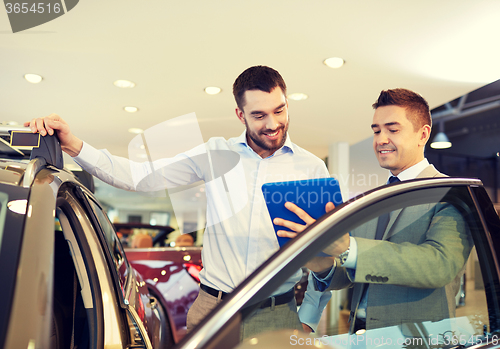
{"points": [[136, 130], [130, 109], [124, 84], [33, 78], [298, 96], [213, 90], [334, 62], [441, 141]]}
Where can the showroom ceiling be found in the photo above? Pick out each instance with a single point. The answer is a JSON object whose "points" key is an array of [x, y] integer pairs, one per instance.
{"points": [[173, 50]]}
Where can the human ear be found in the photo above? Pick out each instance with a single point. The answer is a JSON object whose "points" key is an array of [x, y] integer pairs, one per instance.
{"points": [[240, 115], [425, 133]]}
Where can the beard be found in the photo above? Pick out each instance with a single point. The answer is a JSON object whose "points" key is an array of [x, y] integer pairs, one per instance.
{"points": [[266, 144]]}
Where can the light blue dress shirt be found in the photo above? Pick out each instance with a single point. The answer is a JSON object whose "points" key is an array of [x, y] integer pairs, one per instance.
{"points": [[239, 234]]}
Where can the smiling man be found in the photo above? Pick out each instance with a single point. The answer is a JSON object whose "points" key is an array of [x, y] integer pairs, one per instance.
{"points": [[400, 132], [265, 116], [408, 270], [237, 244]]}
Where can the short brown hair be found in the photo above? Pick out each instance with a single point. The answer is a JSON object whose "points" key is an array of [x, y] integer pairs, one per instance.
{"points": [[257, 78], [417, 108]]}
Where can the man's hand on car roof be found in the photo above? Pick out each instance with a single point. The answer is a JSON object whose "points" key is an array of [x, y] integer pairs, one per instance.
{"points": [[54, 123]]}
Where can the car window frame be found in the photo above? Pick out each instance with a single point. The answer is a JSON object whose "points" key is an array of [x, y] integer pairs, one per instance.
{"points": [[85, 198]]}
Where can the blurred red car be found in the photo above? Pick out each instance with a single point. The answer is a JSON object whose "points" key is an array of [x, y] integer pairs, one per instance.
{"points": [[171, 275]]}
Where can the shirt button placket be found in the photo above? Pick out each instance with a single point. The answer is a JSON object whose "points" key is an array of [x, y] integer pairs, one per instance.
{"points": [[257, 207]]}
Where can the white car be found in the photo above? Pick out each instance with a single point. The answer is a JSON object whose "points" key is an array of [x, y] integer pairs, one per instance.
{"points": [[477, 320]]}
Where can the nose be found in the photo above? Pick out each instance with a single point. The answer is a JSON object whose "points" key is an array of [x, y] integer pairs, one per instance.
{"points": [[272, 123], [381, 138]]}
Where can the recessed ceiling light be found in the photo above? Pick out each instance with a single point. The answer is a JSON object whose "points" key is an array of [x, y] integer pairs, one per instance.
{"points": [[298, 96], [136, 130], [334, 62], [124, 83], [131, 109], [212, 90], [33, 78]]}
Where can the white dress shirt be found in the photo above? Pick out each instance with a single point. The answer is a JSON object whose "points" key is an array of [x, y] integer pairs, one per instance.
{"points": [[239, 234]]}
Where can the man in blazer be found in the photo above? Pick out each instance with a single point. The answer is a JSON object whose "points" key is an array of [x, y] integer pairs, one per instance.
{"points": [[411, 271]]}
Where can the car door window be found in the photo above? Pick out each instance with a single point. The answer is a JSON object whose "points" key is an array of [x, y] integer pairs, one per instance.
{"points": [[112, 243], [430, 281], [78, 279]]}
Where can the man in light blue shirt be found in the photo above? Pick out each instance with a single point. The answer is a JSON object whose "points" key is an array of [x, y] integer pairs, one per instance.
{"points": [[239, 235]]}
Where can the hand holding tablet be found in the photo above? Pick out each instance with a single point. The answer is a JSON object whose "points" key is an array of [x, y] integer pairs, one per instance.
{"points": [[295, 205], [293, 227]]}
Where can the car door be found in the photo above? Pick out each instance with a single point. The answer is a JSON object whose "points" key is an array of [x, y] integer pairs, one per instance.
{"points": [[92, 283], [26, 259], [459, 207], [142, 309]]}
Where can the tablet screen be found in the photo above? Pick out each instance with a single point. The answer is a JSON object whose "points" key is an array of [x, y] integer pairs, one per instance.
{"points": [[310, 195]]}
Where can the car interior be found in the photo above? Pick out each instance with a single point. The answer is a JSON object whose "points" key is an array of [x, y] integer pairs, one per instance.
{"points": [[76, 307], [70, 320]]}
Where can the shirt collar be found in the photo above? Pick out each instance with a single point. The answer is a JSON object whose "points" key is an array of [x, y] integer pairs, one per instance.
{"points": [[412, 172], [288, 146]]}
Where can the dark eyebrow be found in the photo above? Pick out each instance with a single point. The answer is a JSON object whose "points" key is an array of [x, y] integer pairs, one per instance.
{"points": [[281, 106], [257, 112], [394, 123]]}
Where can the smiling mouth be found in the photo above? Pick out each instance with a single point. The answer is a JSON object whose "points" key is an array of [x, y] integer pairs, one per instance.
{"points": [[272, 135], [383, 152]]}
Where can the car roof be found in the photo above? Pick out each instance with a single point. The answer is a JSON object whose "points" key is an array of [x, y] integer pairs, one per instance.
{"points": [[12, 171], [6, 150], [20, 165]]}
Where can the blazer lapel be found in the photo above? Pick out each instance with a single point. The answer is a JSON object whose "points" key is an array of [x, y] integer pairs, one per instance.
{"points": [[428, 172], [393, 217]]}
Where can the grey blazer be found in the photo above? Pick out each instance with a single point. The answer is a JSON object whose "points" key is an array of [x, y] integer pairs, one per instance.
{"points": [[414, 271]]}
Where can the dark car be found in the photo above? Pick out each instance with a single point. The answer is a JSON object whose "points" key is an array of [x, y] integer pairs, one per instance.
{"points": [[170, 273], [66, 281], [476, 322]]}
